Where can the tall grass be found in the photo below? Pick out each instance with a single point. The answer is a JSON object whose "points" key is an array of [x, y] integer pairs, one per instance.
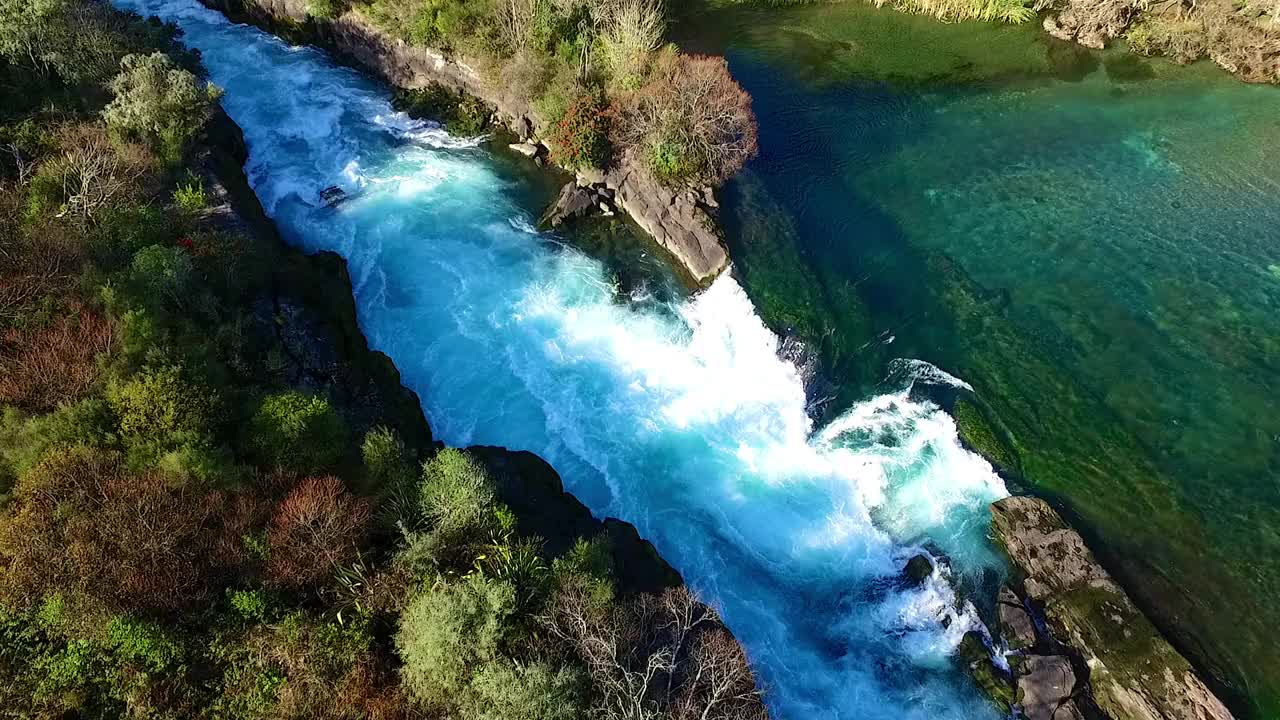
{"points": [[1010, 11]]}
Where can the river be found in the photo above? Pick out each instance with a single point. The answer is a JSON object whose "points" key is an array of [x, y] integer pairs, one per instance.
{"points": [[673, 412], [1091, 240]]}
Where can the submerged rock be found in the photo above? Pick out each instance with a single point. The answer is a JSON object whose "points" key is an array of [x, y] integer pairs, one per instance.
{"points": [[1134, 673], [526, 149], [989, 677], [918, 569], [332, 195]]}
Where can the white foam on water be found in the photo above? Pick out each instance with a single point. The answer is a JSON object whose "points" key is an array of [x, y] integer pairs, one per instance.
{"points": [[682, 419]]}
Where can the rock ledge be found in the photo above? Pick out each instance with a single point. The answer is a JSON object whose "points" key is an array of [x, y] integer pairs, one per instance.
{"points": [[1120, 665]]}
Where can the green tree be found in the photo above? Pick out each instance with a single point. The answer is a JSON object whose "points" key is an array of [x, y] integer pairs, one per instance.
{"points": [[456, 493], [503, 690], [448, 631], [296, 431], [159, 101]]}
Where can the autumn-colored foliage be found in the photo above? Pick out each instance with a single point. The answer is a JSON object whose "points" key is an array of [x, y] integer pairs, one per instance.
{"points": [[581, 137], [124, 542], [44, 366], [692, 123], [315, 530]]}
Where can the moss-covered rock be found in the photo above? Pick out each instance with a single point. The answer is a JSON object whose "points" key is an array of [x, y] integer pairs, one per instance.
{"points": [[994, 682], [981, 436], [1133, 671]]}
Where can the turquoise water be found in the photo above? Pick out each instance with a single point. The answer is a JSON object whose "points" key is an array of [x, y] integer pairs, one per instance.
{"points": [[675, 413], [1098, 258]]}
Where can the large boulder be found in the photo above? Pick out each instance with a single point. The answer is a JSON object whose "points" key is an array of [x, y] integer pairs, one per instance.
{"points": [[574, 201], [1046, 683], [679, 221], [918, 569], [1134, 673]]}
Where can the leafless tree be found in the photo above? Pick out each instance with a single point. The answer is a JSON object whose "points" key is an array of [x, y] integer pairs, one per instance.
{"points": [[655, 657], [94, 176], [515, 20]]}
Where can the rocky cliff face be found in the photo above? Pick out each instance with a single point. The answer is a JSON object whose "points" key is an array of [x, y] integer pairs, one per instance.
{"points": [[1081, 647], [683, 223]]}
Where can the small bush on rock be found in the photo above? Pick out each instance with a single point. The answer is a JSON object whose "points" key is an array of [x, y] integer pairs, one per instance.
{"points": [[581, 137], [692, 122]]}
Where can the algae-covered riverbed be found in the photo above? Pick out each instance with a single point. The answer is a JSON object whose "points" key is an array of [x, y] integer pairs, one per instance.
{"points": [[1090, 240]]}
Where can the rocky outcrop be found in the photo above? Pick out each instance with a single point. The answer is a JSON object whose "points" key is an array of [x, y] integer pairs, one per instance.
{"points": [[681, 222], [1092, 23], [917, 570], [1089, 645], [576, 201], [1241, 37], [534, 492]]}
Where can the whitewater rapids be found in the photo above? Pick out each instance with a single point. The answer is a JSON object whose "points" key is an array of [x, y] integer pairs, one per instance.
{"points": [[678, 417]]}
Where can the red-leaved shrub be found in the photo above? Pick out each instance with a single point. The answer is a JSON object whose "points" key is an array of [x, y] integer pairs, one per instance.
{"points": [[315, 530], [82, 525], [44, 366]]}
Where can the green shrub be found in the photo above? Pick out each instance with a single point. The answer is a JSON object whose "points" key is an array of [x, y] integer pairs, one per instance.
{"points": [[326, 9], [249, 605], [160, 102], [503, 690], [386, 461], [447, 631], [456, 493], [142, 645], [161, 272], [122, 231], [581, 137], [190, 196], [45, 195], [24, 441], [296, 431], [671, 164], [159, 402]]}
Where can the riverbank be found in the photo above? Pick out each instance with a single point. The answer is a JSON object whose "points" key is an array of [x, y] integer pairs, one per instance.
{"points": [[681, 219], [1243, 38]]}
